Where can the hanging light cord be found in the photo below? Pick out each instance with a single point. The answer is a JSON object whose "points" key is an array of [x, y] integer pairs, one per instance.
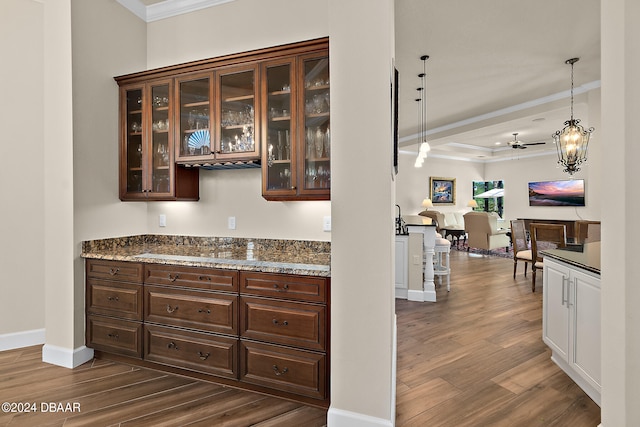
{"points": [[572, 62]]}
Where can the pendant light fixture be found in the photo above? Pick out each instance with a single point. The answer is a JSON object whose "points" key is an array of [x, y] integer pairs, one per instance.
{"points": [[572, 141], [424, 147]]}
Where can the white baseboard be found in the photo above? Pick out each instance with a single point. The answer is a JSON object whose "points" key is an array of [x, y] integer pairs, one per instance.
{"points": [[21, 339], [342, 418], [421, 296], [65, 357]]}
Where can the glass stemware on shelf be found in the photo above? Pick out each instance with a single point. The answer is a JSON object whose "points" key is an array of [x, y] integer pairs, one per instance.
{"points": [[318, 142]]}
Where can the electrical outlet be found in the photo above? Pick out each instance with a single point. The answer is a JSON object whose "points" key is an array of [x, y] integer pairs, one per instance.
{"points": [[162, 220], [231, 223], [326, 223]]}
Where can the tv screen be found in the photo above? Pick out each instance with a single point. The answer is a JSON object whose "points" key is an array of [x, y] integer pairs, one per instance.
{"points": [[568, 192]]}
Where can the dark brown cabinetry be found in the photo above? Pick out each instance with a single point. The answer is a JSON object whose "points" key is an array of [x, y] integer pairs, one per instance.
{"points": [[283, 332], [266, 108], [147, 167], [114, 307], [260, 331], [296, 105]]}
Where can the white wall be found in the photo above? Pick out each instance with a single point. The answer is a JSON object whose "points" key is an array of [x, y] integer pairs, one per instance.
{"points": [[362, 248], [22, 171], [620, 206], [234, 27]]}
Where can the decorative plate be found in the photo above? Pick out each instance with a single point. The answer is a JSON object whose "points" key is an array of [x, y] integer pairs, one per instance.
{"points": [[199, 138]]}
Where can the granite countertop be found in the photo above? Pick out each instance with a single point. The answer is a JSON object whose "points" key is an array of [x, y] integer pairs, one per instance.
{"points": [[586, 257], [303, 257]]}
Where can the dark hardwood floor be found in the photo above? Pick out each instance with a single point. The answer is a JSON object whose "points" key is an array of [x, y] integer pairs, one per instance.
{"points": [[474, 358]]}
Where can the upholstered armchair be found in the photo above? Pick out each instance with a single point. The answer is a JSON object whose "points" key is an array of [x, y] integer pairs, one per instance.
{"points": [[482, 229]]}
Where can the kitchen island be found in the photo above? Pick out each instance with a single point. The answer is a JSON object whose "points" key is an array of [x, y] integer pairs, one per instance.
{"points": [[571, 313], [248, 313]]}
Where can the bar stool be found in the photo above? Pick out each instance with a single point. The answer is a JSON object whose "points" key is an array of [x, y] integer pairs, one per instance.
{"points": [[441, 261]]}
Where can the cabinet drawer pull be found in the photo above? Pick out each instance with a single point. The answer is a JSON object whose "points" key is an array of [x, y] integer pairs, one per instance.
{"points": [[171, 309], [173, 278], [113, 298], [113, 335], [285, 287], [275, 322], [204, 278], [279, 372], [203, 356], [202, 310], [114, 271], [172, 345]]}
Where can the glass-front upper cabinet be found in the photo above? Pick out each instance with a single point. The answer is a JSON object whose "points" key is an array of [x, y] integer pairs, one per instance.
{"points": [[194, 95], [317, 131], [131, 171], [147, 167], [278, 164], [297, 145], [237, 92], [160, 157]]}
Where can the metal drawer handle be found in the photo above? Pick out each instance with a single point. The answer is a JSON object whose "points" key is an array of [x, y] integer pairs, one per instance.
{"points": [[285, 288], [173, 278], [275, 322], [172, 345], [114, 271], [204, 278], [202, 310], [171, 309], [203, 356], [279, 372], [113, 298], [113, 335]]}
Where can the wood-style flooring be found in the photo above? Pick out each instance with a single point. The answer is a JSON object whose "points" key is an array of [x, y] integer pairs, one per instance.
{"points": [[474, 358]]}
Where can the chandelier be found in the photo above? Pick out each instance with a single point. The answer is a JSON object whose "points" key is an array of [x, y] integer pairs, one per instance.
{"points": [[424, 145], [572, 141]]}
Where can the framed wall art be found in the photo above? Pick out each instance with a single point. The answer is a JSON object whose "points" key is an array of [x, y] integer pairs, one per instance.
{"points": [[442, 191]]}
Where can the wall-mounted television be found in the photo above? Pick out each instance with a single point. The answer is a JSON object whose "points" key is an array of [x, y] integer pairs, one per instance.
{"points": [[569, 192]]}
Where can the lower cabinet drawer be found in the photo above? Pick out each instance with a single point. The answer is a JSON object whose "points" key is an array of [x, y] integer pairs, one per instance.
{"points": [[114, 336], [280, 368], [283, 322], [196, 351], [207, 311], [114, 299]]}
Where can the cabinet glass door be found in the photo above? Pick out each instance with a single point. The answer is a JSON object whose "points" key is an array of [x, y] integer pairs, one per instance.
{"points": [[317, 133], [280, 171], [160, 157], [194, 100], [237, 127], [133, 146]]}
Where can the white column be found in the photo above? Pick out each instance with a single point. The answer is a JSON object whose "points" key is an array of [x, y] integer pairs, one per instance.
{"points": [[428, 291]]}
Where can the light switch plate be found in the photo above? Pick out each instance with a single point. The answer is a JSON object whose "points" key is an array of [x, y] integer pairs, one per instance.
{"points": [[231, 223], [162, 220], [326, 223]]}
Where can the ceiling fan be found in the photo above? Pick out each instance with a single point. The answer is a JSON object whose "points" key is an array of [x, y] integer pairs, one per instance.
{"points": [[519, 144]]}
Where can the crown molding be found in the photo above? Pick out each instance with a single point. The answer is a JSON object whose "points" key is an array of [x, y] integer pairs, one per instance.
{"points": [[167, 8]]}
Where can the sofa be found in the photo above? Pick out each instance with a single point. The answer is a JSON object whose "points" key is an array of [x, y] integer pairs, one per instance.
{"points": [[483, 232]]}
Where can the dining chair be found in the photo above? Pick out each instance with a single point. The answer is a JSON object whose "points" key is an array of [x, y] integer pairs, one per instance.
{"points": [[587, 231], [521, 251], [544, 236]]}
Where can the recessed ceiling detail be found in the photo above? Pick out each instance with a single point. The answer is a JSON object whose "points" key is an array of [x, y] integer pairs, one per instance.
{"points": [[155, 10]]}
